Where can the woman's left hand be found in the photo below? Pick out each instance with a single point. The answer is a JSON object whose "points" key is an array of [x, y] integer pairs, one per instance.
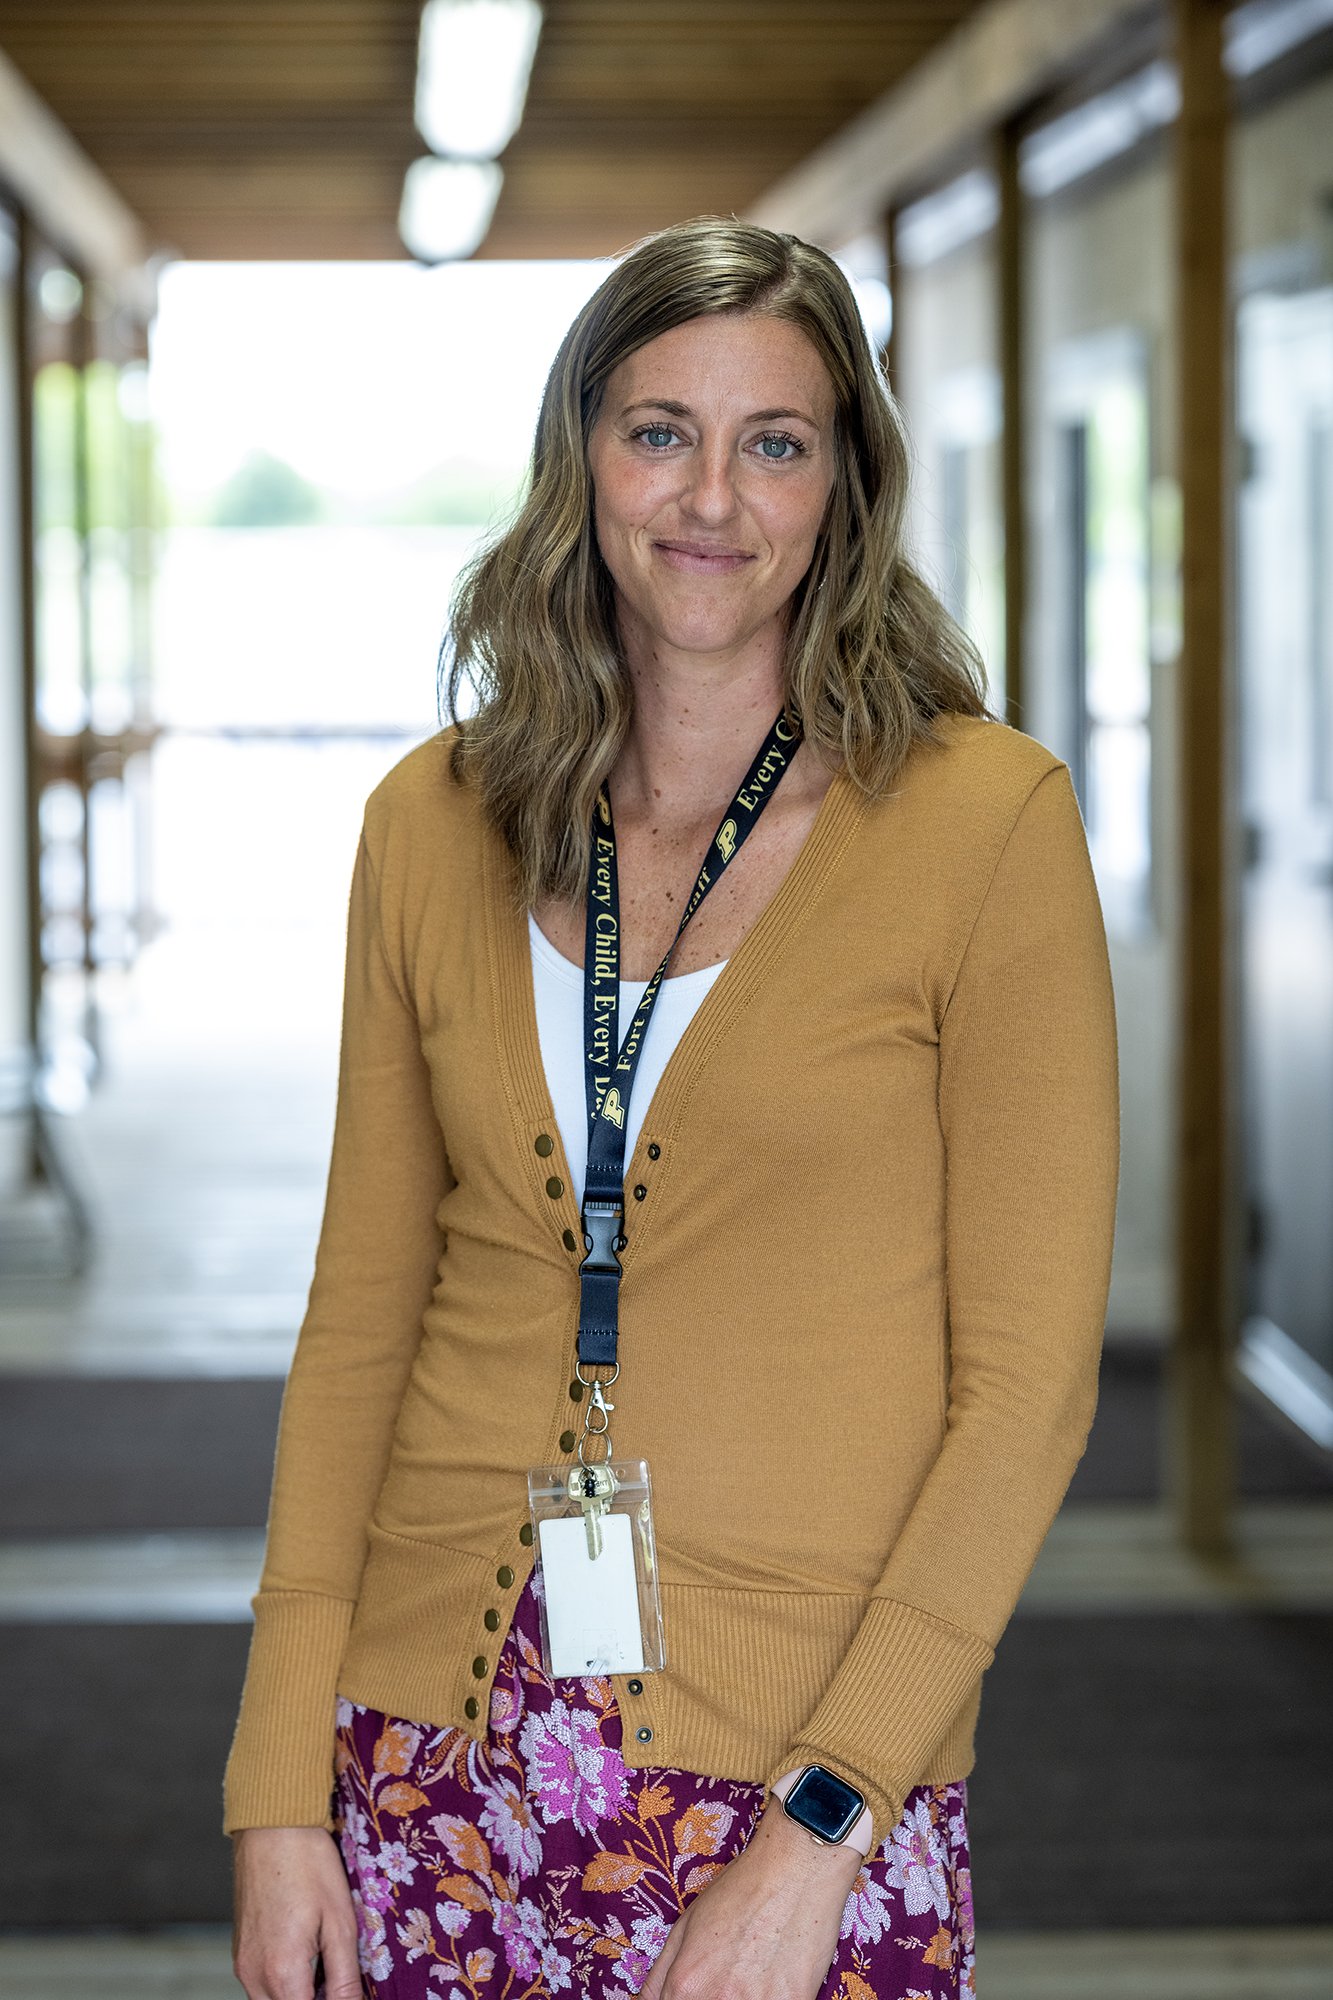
{"points": [[766, 1927]]}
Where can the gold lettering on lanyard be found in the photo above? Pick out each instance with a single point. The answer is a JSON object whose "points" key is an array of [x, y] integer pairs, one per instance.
{"points": [[726, 839], [613, 1109]]}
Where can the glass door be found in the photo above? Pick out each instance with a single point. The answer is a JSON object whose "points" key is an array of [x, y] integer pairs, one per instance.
{"points": [[1285, 389]]}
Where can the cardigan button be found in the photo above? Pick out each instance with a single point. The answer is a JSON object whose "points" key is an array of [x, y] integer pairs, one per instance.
{"points": [[545, 1145], [567, 1238], [525, 1534], [644, 1735], [479, 1667], [654, 1151], [504, 1576], [635, 1687], [640, 1192], [567, 1440], [492, 1621], [576, 1391], [471, 1708], [555, 1187]]}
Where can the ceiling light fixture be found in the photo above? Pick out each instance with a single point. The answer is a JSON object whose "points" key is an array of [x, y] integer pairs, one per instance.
{"points": [[447, 207], [473, 62]]}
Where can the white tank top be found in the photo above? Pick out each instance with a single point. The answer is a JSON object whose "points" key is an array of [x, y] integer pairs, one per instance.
{"points": [[557, 985]]}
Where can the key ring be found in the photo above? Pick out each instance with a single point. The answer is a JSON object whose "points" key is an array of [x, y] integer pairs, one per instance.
{"points": [[597, 1403]]}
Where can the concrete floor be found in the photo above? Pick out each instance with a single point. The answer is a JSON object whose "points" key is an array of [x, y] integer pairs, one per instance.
{"points": [[1079, 1965]]}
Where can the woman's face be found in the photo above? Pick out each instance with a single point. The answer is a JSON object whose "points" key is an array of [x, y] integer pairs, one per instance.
{"points": [[712, 463]]}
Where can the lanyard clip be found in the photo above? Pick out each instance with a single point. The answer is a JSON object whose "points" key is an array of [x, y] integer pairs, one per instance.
{"points": [[601, 1234]]}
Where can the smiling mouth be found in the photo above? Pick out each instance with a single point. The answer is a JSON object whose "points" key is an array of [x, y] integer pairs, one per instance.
{"points": [[703, 558]]}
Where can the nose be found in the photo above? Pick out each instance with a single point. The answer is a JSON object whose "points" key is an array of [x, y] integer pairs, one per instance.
{"points": [[710, 492]]}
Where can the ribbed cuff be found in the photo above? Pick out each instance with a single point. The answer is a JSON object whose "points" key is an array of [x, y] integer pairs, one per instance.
{"points": [[901, 1682], [280, 1772]]}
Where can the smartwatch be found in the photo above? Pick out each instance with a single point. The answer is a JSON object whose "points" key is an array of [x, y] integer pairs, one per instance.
{"points": [[824, 1804]]}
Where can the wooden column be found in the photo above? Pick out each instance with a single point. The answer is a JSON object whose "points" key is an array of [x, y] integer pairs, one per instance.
{"points": [[1202, 1456], [1011, 353]]}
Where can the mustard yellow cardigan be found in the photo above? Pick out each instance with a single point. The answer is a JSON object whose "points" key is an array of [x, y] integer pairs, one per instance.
{"points": [[862, 1307]]}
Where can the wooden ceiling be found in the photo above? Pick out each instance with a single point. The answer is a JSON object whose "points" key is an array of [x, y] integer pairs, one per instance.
{"points": [[282, 128]]}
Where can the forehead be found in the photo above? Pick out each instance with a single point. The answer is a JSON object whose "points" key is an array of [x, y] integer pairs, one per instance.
{"points": [[725, 357]]}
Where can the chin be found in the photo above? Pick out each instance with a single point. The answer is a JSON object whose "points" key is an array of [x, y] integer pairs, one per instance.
{"points": [[702, 628]]}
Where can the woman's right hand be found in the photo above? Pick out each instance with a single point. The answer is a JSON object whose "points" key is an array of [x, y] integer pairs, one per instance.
{"points": [[293, 1907]]}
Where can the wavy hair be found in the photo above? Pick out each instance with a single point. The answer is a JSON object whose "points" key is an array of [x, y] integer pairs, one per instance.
{"points": [[872, 656]]}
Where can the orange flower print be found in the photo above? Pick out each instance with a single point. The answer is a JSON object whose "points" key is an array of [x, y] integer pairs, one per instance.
{"points": [[397, 1746], [940, 1949]]}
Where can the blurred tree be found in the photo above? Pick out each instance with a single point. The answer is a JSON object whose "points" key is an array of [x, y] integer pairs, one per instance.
{"points": [[266, 492]]}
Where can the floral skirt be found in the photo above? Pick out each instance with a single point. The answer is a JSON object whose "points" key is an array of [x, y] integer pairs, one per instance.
{"points": [[539, 1864]]}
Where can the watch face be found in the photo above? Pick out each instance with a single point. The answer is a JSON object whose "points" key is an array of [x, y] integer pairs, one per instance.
{"points": [[824, 1804]]}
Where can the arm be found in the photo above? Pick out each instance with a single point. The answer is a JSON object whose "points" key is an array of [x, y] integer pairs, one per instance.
{"points": [[1028, 1108], [378, 1259]]}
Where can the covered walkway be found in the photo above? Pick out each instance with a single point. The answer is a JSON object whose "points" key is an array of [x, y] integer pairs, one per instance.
{"points": [[1094, 243]]}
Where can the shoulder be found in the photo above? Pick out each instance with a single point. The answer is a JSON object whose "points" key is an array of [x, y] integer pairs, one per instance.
{"points": [[985, 768], [961, 791], [419, 805]]}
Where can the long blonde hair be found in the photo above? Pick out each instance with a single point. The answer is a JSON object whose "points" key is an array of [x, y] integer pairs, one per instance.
{"points": [[872, 656]]}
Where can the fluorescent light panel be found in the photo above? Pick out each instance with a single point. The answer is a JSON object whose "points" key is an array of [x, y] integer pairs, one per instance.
{"points": [[473, 62], [447, 207]]}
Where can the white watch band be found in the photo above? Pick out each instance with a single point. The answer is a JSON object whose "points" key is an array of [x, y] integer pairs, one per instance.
{"points": [[861, 1833]]}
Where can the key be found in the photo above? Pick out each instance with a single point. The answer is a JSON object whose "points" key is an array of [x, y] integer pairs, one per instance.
{"points": [[593, 1486]]}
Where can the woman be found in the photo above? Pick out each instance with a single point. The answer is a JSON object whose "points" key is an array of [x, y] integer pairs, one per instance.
{"points": [[836, 1221]]}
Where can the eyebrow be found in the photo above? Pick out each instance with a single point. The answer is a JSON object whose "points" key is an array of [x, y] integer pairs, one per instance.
{"points": [[683, 410]]}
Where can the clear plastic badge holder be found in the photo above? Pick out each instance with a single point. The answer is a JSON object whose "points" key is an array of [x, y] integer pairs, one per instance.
{"points": [[601, 1612]]}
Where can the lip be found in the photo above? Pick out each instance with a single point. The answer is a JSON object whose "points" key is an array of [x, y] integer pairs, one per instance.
{"points": [[702, 558]]}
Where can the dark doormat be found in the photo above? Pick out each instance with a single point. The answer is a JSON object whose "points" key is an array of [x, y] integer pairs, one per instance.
{"points": [[1156, 1770], [1132, 1771], [87, 1456], [114, 1742]]}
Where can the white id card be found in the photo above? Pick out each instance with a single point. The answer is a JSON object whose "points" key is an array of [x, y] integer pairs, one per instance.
{"points": [[592, 1608]]}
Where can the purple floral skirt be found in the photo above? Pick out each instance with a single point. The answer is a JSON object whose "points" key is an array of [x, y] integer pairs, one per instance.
{"points": [[539, 1864]]}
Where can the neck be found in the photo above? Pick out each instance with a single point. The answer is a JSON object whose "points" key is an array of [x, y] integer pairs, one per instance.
{"points": [[697, 723]]}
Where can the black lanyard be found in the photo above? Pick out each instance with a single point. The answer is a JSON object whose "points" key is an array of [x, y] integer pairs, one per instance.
{"points": [[609, 1082]]}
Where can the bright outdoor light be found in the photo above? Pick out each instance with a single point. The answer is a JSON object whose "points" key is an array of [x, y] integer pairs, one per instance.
{"points": [[447, 207], [473, 61]]}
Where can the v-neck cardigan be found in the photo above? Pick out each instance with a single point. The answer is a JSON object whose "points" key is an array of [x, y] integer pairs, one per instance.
{"points": [[869, 1222]]}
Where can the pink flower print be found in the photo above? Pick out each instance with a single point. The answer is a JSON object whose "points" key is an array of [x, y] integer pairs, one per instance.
{"points": [[648, 1935], [452, 1918], [868, 1912], [634, 1967], [376, 1890], [519, 1928], [555, 1968], [508, 1823], [506, 1702], [396, 1862], [915, 1863], [355, 1834], [415, 1934], [372, 1944], [962, 1883], [575, 1774]]}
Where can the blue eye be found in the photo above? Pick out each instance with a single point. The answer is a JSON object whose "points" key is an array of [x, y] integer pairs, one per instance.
{"points": [[657, 436], [779, 447]]}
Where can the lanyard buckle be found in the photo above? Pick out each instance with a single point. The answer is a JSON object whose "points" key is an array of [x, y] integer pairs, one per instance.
{"points": [[601, 1232]]}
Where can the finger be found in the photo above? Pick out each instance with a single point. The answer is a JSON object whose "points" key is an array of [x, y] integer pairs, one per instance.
{"points": [[342, 1972]]}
